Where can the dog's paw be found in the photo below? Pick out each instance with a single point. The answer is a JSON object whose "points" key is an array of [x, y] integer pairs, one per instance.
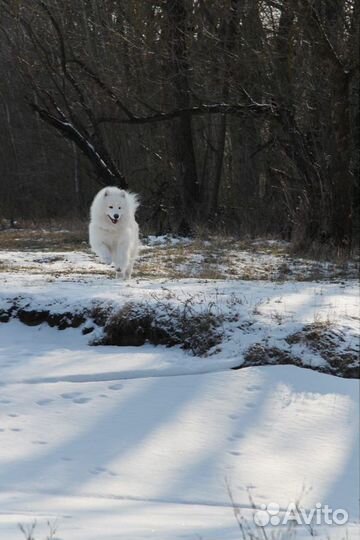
{"points": [[104, 257], [119, 274]]}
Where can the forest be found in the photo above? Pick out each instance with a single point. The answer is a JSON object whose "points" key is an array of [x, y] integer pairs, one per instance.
{"points": [[233, 115], [196, 377]]}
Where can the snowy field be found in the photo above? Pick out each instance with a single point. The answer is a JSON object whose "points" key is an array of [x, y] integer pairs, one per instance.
{"points": [[153, 442]]}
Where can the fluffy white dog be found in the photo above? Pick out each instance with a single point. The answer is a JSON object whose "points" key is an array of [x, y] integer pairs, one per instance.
{"points": [[113, 231]]}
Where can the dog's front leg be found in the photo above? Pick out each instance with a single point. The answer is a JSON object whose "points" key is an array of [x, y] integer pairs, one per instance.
{"points": [[122, 260], [103, 251]]}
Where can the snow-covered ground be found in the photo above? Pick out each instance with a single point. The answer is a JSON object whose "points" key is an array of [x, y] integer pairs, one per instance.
{"points": [[111, 444], [146, 442], [167, 256], [252, 313]]}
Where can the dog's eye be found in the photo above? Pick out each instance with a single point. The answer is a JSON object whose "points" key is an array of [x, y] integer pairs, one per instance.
{"points": [[111, 207], [119, 207]]}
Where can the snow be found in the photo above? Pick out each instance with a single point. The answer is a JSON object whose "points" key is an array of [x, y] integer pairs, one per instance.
{"points": [[168, 255], [165, 239], [255, 311], [113, 434], [143, 442]]}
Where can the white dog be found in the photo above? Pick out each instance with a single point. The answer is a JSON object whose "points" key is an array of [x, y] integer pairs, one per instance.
{"points": [[113, 231]]}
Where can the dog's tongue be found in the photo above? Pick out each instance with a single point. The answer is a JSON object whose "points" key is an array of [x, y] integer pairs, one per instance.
{"points": [[114, 221]]}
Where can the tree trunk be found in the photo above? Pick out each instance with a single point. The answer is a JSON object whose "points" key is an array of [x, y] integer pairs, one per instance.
{"points": [[178, 69], [228, 34], [341, 177]]}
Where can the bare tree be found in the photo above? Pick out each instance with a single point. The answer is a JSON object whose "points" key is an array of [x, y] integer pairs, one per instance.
{"points": [[243, 111]]}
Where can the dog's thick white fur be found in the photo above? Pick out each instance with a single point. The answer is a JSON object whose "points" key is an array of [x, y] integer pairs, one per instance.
{"points": [[113, 230]]}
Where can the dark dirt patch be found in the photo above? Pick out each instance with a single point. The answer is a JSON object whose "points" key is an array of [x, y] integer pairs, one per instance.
{"points": [[59, 320], [4, 316], [323, 339], [133, 324], [320, 339], [136, 324], [259, 355]]}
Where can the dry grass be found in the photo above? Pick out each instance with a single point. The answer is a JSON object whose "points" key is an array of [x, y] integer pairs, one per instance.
{"points": [[160, 322], [260, 355], [322, 251], [323, 339], [163, 324], [341, 364], [202, 257], [28, 530], [44, 239]]}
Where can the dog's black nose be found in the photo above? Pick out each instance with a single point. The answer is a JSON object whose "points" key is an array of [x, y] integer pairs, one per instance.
{"points": [[116, 216]]}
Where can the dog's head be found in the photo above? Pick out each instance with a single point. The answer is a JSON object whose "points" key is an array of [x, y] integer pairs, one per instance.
{"points": [[115, 204], [112, 205]]}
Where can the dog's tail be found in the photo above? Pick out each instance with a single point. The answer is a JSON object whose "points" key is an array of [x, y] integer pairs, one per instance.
{"points": [[132, 202]]}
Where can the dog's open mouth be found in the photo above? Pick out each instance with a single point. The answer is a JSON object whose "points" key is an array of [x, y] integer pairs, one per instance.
{"points": [[113, 220]]}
